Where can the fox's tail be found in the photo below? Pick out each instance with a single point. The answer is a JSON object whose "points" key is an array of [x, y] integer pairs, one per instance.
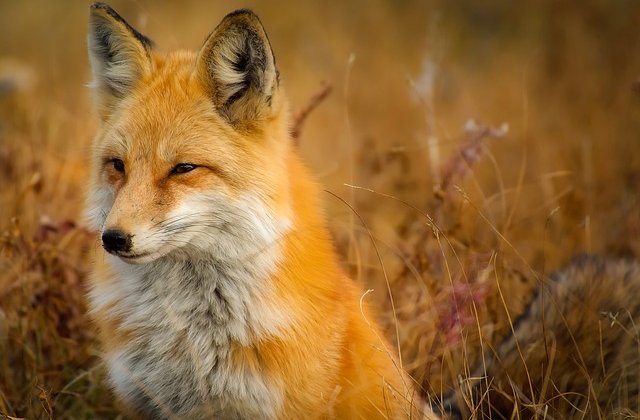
{"points": [[574, 350]]}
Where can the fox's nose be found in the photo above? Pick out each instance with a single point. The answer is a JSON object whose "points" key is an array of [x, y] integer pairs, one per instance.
{"points": [[114, 240]]}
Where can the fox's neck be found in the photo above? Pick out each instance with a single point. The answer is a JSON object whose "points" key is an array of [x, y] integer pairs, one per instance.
{"points": [[230, 300]]}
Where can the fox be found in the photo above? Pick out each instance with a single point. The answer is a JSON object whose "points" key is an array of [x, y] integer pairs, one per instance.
{"points": [[218, 292], [573, 353]]}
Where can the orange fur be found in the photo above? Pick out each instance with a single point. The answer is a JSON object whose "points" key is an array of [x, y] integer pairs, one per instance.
{"points": [[327, 358]]}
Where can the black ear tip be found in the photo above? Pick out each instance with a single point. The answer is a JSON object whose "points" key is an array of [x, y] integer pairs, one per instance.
{"points": [[242, 13], [112, 14], [246, 15], [100, 6], [104, 8]]}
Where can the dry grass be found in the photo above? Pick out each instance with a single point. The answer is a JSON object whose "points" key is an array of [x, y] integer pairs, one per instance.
{"points": [[466, 224]]}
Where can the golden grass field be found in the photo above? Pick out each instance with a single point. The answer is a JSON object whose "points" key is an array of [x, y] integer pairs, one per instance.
{"points": [[461, 224]]}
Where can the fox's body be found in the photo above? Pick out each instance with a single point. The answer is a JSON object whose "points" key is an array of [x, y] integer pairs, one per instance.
{"points": [[224, 296], [574, 353]]}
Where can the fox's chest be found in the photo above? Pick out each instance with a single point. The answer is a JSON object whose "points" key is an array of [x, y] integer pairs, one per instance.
{"points": [[178, 358], [161, 385]]}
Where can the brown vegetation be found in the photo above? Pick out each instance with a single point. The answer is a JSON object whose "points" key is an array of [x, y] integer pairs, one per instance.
{"points": [[460, 225]]}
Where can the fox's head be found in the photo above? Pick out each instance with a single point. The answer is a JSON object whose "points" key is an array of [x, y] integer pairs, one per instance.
{"points": [[191, 150]]}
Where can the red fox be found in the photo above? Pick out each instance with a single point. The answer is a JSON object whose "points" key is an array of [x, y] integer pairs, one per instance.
{"points": [[220, 293]]}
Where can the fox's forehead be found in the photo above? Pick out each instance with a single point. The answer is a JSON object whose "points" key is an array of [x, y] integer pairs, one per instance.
{"points": [[168, 116]]}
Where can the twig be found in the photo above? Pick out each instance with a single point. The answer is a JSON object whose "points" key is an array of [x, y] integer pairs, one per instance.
{"points": [[301, 116], [469, 153]]}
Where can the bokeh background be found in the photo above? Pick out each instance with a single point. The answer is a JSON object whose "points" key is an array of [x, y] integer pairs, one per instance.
{"points": [[470, 145]]}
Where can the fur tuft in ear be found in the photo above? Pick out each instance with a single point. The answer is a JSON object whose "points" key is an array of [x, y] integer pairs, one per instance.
{"points": [[119, 56], [237, 66]]}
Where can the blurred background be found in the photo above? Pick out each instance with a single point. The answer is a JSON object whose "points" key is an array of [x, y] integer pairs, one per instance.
{"points": [[475, 143]]}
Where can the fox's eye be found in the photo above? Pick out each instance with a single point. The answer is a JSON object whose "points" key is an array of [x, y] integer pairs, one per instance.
{"points": [[182, 168], [118, 165]]}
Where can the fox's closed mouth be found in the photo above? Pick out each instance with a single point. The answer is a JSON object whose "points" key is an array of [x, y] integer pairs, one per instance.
{"points": [[132, 257]]}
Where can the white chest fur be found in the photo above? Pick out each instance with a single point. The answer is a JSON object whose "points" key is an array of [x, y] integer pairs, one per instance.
{"points": [[187, 310], [186, 315]]}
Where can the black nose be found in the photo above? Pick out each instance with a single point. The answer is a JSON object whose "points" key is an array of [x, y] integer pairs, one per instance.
{"points": [[114, 240]]}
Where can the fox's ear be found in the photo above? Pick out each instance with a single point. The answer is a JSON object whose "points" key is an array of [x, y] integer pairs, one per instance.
{"points": [[119, 56], [237, 67]]}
